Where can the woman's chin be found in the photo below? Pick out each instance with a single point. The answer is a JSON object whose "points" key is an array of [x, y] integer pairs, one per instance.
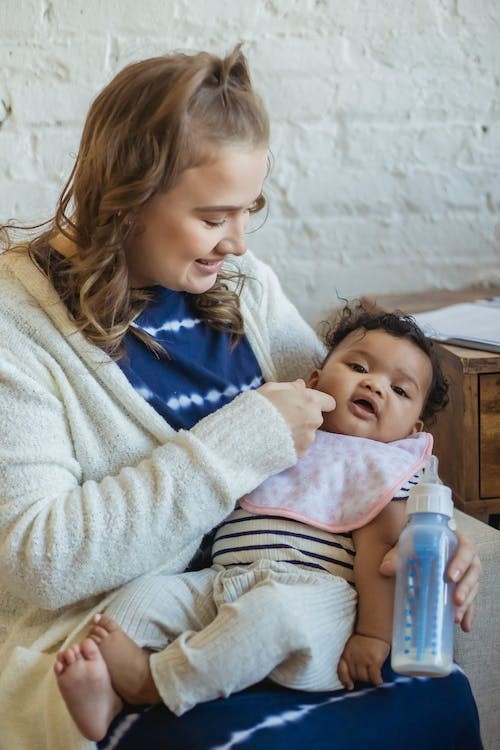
{"points": [[200, 286]]}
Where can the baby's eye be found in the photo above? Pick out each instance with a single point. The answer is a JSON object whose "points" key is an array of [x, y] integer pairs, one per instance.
{"points": [[357, 367], [400, 391]]}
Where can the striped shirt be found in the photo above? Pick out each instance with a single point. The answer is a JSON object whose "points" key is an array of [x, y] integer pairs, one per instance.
{"points": [[244, 538]]}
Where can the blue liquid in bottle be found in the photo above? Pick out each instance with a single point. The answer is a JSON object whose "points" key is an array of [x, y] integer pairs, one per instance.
{"points": [[422, 642]]}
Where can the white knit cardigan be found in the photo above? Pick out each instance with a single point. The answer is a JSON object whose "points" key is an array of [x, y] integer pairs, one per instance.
{"points": [[96, 489]]}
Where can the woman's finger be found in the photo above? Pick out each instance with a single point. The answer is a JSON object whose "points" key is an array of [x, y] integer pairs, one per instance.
{"points": [[302, 409], [462, 609], [467, 619], [465, 558], [467, 588], [323, 400]]}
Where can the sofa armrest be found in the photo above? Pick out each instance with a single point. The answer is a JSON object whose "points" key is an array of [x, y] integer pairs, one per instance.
{"points": [[478, 652]]}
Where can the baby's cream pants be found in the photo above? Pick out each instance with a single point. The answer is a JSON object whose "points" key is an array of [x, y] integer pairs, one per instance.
{"points": [[218, 630]]}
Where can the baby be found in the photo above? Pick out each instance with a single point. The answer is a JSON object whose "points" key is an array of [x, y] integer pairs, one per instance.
{"points": [[280, 597]]}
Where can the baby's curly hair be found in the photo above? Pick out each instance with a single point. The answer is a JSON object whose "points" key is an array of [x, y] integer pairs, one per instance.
{"points": [[359, 314]]}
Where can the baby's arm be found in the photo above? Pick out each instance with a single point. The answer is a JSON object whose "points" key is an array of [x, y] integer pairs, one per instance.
{"points": [[369, 646]]}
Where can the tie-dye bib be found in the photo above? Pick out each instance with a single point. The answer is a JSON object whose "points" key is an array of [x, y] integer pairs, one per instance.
{"points": [[342, 482]]}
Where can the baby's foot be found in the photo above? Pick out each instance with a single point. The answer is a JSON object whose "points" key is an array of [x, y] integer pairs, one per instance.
{"points": [[127, 663], [85, 685]]}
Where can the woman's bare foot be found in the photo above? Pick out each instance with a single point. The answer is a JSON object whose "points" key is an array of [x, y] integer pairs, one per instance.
{"points": [[85, 685], [127, 663]]}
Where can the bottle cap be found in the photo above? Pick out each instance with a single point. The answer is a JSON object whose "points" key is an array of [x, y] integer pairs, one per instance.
{"points": [[431, 495]]}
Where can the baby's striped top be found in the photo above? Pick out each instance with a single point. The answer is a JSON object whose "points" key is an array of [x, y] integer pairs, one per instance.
{"points": [[244, 538]]}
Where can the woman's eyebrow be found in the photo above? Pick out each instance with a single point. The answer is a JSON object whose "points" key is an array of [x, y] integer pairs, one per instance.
{"points": [[217, 209], [221, 209]]}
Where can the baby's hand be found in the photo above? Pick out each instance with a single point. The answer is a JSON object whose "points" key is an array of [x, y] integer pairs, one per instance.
{"points": [[362, 660]]}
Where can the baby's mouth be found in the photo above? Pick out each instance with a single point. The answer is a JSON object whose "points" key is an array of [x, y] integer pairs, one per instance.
{"points": [[364, 404], [365, 408]]}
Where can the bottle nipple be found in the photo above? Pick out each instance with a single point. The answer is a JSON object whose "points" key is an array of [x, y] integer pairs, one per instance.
{"points": [[431, 475], [430, 495]]}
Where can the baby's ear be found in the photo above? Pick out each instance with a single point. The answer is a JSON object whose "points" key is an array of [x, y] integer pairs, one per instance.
{"points": [[312, 381], [417, 427]]}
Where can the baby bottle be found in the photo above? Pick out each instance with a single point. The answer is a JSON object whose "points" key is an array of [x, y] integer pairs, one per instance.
{"points": [[422, 641]]}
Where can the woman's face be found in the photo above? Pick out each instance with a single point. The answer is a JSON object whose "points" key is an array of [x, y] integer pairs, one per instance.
{"points": [[189, 230]]}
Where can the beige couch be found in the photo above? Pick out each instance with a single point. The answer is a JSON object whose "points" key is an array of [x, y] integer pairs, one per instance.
{"points": [[478, 652]]}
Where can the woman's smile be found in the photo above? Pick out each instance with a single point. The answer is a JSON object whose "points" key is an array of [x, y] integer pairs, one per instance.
{"points": [[207, 266]]}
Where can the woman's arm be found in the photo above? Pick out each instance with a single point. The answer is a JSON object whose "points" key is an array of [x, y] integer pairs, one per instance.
{"points": [[65, 535], [73, 525]]}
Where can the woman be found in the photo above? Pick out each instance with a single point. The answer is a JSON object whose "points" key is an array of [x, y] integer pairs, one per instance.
{"points": [[143, 386]]}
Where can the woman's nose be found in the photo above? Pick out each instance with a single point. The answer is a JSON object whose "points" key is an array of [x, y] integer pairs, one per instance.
{"points": [[239, 243], [233, 246], [235, 241]]}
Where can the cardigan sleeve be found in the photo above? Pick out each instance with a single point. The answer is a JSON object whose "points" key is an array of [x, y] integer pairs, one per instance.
{"points": [[63, 539], [68, 532]]}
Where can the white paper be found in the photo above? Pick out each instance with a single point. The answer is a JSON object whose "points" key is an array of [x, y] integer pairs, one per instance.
{"points": [[474, 324]]}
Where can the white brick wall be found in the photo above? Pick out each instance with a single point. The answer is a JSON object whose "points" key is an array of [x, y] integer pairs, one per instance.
{"points": [[386, 125]]}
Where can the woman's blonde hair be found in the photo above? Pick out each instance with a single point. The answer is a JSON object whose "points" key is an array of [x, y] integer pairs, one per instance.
{"points": [[155, 119]]}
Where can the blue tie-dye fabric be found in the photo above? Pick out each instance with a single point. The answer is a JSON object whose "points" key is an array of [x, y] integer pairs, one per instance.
{"points": [[405, 713], [200, 372]]}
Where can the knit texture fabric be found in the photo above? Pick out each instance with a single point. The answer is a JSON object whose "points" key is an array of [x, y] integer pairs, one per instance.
{"points": [[97, 489]]}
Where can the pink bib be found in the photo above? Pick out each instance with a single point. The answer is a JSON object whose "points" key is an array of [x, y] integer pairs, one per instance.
{"points": [[342, 482]]}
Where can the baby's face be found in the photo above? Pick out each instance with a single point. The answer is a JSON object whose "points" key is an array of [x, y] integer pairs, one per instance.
{"points": [[380, 383]]}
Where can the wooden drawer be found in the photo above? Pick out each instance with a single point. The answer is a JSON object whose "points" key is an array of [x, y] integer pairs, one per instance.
{"points": [[467, 432], [489, 435]]}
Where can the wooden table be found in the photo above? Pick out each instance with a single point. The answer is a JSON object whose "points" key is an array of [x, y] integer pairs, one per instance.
{"points": [[467, 432]]}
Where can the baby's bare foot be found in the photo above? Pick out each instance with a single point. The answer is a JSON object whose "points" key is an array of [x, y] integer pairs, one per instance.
{"points": [[127, 663], [85, 685]]}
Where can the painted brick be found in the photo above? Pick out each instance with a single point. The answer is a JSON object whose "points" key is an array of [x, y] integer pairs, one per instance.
{"points": [[16, 155], [36, 103], [385, 125], [19, 18]]}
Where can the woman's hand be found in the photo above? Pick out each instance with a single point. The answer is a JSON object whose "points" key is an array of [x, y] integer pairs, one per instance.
{"points": [[301, 408], [464, 569]]}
